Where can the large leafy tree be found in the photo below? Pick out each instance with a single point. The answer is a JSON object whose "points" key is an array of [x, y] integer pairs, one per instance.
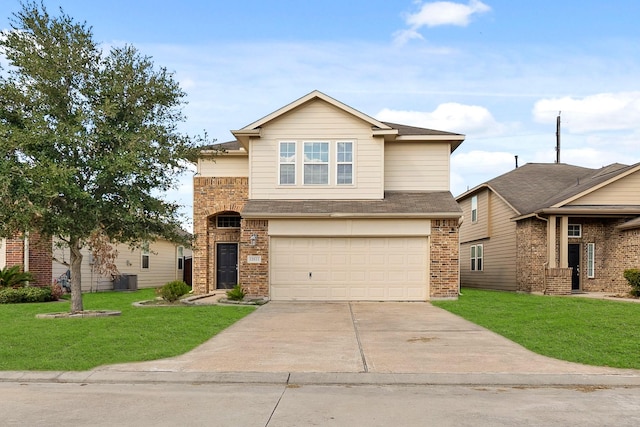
{"points": [[88, 139]]}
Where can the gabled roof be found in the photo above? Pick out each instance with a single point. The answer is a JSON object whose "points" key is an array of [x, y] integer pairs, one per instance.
{"points": [[390, 131], [434, 204], [535, 187]]}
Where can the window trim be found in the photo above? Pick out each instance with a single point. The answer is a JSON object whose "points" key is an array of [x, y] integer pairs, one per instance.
{"points": [[474, 208], [572, 227], [591, 260], [145, 254], [180, 255], [327, 163], [281, 163], [343, 163], [474, 257]]}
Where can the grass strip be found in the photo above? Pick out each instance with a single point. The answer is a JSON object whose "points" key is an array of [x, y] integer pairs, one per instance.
{"points": [[582, 330], [139, 334]]}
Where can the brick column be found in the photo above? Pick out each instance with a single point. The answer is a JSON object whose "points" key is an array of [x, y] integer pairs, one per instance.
{"points": [[445, 266], [254, 258], [558, 281], [212, 196]]}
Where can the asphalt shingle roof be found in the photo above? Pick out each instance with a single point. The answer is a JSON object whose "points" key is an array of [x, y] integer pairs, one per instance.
{"points": [[393, 204]]}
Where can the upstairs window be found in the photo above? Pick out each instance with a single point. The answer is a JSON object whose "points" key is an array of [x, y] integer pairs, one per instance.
{"points": [[344, 163], [575, 230], [316, 163], [287, 163], [474, 209]]}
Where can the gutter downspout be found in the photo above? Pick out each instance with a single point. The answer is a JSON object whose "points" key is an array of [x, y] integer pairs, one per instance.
{"points": [[460, 221]]}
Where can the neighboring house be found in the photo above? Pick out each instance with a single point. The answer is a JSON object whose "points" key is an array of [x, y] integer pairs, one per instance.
{"points": [[552, 228], [164, 261], [31, 253], [318, 201], [152, 266]]}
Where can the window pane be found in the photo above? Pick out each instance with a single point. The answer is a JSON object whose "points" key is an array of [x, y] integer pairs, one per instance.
{"points": [[345, 174], [316, 174], [287, 174], [316, 152], [345, 152], [287, 152]]}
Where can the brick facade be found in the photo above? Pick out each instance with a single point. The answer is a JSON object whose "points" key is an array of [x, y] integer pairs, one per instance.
{"points": [[444, 256], [254, 276], [531, 255], [557, 281], [40, 257], [212, 196], [615, 251]]}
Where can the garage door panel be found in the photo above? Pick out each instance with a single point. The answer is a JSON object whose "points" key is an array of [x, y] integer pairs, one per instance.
{"points": [[354, 268]]}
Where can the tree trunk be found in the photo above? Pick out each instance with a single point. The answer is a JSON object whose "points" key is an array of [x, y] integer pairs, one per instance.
{"points": [[76, 276]]}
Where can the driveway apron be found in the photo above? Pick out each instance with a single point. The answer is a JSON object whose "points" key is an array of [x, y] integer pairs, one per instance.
{"points": [[376, 337]]}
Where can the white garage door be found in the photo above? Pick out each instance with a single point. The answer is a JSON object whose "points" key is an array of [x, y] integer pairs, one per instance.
{"points": [[349, 268]]}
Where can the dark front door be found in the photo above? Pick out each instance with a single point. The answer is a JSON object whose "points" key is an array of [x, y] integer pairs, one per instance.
{"points": [[226, 265], [574, 262]]}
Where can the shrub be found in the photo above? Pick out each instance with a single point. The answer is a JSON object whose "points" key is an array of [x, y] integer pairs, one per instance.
{"points": [[56, 292], [14, 278], [25, 294], [633, 277], [172, 291], [236, 294]]}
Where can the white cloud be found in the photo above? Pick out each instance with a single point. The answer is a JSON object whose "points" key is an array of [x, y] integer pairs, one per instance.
{"points": [[599, 112], [446, 13], [439, 13], [475, 167], [449, 117]]}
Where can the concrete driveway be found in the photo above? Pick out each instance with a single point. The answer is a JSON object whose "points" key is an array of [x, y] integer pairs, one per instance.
{"points": [[359, 337]]}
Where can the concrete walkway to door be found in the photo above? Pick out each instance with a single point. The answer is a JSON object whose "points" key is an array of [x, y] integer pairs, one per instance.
{"points": [[360, 337]]}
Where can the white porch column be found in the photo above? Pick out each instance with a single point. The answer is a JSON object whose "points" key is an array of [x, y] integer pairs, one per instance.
{"points": [[564, 242], [551, 241]]}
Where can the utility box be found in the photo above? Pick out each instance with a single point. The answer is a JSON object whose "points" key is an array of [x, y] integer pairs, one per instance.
{"points": [[125, 282]]}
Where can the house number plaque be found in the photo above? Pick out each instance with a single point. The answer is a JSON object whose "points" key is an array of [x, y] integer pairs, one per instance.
{"points": [[254, 259]]}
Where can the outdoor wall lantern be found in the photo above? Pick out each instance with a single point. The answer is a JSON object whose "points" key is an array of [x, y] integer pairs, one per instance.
{"points": [[253, 239]]}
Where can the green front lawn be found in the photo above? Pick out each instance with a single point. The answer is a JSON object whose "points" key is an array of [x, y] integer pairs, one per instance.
{"points": [[593, 332], [139, 334]]}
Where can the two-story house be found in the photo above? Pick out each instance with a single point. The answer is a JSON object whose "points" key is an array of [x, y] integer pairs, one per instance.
{"points": [[552, 228], [318, 201]]}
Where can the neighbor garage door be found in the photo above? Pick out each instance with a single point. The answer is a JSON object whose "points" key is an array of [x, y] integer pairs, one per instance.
{"points": [[349, 268]]}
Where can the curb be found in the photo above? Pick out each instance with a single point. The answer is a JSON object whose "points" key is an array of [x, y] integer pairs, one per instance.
{"points": [[323, 378]]}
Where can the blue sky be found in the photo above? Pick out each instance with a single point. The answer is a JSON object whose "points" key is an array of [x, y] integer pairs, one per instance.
{"points": [[498, 71]]}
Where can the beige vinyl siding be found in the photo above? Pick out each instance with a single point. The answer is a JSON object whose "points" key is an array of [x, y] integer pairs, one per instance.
{"points": [[224, 166], [499, 249], [470, 231], [416, 166], [316, 121], [408, 227], [163, 266], [625, 191]]}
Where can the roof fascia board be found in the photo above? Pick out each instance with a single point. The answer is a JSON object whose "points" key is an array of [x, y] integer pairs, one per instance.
{"points": [[597, 187], [436, 215], [490, 188], [313, 95]]}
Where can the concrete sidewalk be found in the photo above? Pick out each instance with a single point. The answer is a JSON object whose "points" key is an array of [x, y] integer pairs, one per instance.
{"points": [[352, 343]]}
